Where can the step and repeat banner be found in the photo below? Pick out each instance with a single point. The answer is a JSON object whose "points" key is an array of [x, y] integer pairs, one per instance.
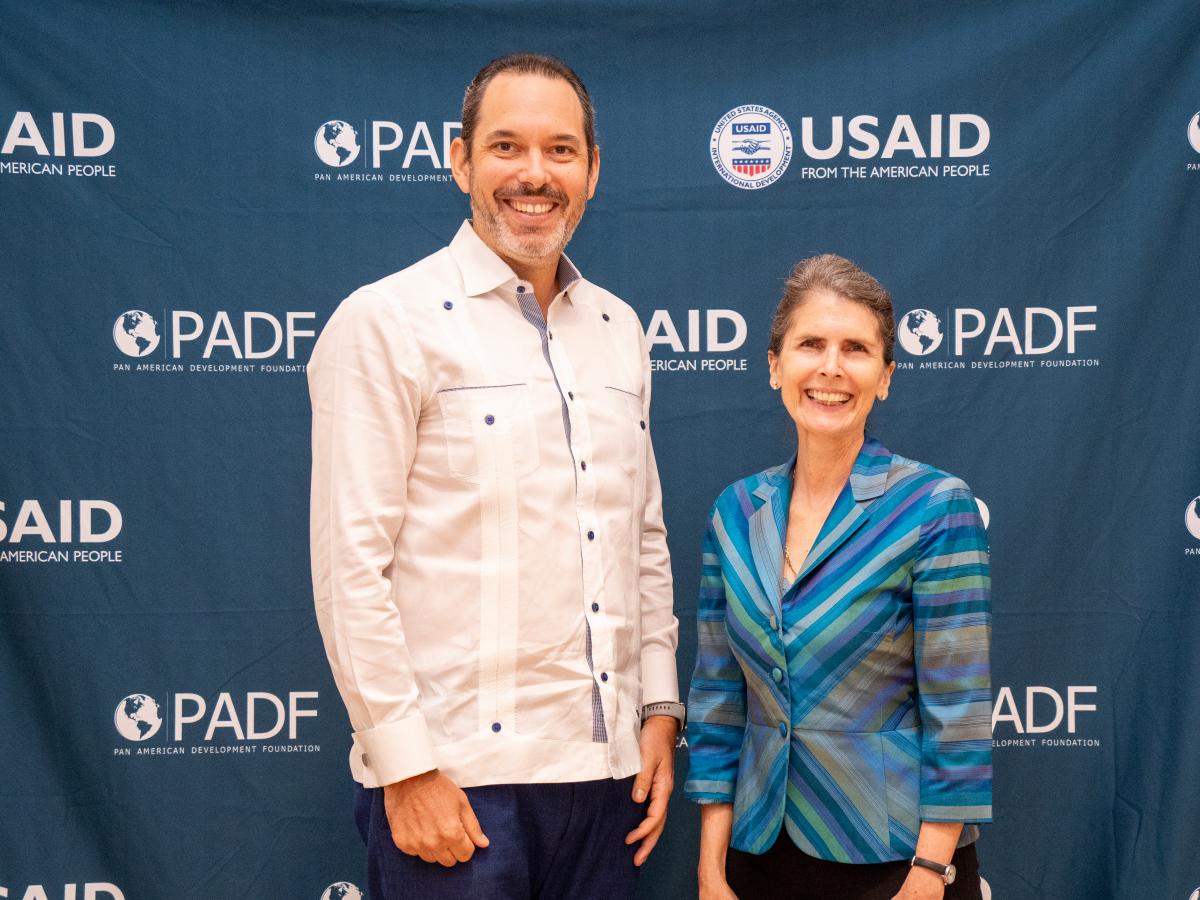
{"points": [[189, 189]]}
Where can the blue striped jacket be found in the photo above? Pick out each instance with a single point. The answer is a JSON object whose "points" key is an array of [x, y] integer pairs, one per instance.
{"points": [[855, 703]]}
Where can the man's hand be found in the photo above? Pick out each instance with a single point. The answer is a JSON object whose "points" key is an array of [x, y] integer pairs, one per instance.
{"points": [[657, 778], [431, 817]]}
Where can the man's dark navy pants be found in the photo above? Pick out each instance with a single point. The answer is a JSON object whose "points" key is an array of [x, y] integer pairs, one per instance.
{"points": [[548, 841]]}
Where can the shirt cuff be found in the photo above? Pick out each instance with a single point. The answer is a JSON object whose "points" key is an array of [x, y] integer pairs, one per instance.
{"points": [[660, 683], [392, 752]]}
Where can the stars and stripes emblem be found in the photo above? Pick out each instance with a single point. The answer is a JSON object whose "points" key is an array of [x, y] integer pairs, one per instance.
{"points": [[752, 166]]}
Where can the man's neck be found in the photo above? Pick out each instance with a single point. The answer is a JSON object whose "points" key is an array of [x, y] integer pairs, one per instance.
{"points": [[543, 278]]}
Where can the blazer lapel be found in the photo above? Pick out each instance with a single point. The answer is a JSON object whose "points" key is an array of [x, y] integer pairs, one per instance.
{"points": [[768, 527], [868, 481]]}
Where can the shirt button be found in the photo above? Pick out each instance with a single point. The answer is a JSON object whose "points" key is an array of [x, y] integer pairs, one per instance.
{"points": [[496, 726], [595, 607], [583, 465], [604, 317], [643, 424], [777, 674], [489, 419], [570, 395], [447, 305], [604, 676], [783, 729], [520, 288], [591, 535]]}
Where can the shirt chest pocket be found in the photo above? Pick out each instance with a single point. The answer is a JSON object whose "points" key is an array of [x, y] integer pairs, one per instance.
{"points": [[489, 431], [622, 426]]}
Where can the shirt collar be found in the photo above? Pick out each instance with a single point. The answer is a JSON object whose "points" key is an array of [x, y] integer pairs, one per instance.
{"points": [[483, 270]]}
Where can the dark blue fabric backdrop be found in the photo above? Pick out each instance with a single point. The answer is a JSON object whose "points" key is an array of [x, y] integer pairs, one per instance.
{"points": [[177, 223]]}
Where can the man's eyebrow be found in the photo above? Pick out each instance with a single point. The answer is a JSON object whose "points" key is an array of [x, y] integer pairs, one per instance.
{"points": [[504, 134]]}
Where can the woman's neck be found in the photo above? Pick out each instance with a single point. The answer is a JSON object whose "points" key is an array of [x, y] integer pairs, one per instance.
{"points": [[822, 466]]}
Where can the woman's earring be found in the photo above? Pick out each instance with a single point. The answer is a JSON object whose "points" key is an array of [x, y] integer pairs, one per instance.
{"points": [[774, 385]]}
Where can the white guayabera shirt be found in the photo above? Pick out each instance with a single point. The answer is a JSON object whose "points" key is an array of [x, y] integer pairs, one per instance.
{"points": [[489, 559]]}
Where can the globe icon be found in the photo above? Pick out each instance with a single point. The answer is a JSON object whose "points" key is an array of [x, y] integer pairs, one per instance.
{"points": [[137, 717], [343, 890], [336, 143], [984, 512], [1194, 132], [920, 332], [1191, 518], [136, 333]]}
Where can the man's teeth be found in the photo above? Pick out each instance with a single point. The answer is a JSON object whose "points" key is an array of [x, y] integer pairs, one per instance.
{"points": [[828, 396], [532, 209]]}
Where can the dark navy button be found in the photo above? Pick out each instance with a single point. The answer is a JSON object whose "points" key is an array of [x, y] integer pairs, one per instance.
{"points": [[520, 288], [550, 334], [643, 424], [604, 676], [604, 317], [777, 674], [782, 729], [570, 395], [583, 465], [591, 535], [496, 726], [490, 419], [447, 305], [595, 607]]}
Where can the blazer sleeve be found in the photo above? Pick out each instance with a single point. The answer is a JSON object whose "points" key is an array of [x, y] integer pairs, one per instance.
{"points": [[952, 631], [717, 700]]}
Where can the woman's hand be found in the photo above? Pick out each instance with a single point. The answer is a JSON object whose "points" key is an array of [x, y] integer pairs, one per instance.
{"points": [[921, 884], [713, 886]]}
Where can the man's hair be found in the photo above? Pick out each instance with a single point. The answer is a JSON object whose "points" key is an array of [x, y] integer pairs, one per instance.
{"points": [[842, 277], [527, 64]]}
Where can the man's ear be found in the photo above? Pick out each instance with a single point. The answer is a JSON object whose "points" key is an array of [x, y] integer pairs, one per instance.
{"points": [[460, 164]]}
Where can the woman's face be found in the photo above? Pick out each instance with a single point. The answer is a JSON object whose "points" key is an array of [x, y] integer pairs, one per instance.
{"points": [[830, 367]]}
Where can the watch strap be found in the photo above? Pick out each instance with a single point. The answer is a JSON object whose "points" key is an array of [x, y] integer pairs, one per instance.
{"points": [[675, 710], [947, 872]]}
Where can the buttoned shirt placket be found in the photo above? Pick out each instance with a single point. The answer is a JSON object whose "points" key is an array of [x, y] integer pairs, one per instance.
{"points": [[528, 304]]}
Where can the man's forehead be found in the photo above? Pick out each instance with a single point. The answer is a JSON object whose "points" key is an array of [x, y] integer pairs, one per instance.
{"points": [[529, 94]]}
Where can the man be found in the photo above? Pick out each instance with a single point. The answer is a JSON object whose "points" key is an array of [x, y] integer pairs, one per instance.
{"points": [[489, 560]]}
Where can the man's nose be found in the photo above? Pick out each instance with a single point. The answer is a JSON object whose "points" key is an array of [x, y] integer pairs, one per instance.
{"points": [[533, 172]]}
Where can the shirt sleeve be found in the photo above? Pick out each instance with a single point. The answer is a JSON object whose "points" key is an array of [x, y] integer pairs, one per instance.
{"points": [[660, 628], [365, 379], [952, 631], [717, 701]]}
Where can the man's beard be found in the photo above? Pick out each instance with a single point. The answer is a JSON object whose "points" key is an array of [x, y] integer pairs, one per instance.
{"points": [[536, 246]]}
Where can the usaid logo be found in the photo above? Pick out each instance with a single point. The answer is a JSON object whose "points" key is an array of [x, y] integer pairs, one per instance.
{"points": [[415, 151], [239, 723], [1018, 334], [751, 146], [35, 149], [703, 332], [92, 890], [223, 341], [74, 521], [342, 890]]}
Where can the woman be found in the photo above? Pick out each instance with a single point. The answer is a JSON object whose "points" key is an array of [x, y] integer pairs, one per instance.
{"points": [[840, 708]]}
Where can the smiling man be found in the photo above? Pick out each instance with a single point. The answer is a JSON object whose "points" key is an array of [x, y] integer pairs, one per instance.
{"points": [[489, 559]]}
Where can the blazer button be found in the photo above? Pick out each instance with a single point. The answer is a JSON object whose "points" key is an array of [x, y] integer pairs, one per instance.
{"points": [[774, 623], [783, 729], [777, 674]]}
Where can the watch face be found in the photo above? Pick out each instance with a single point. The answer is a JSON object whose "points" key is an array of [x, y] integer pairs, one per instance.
{"points": [[951, 872]]}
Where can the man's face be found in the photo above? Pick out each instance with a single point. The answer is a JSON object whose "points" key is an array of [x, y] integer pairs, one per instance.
{"points": [[527, 171]]}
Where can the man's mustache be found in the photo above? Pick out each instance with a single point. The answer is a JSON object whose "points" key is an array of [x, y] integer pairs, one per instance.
{"points": [[543, 193]]}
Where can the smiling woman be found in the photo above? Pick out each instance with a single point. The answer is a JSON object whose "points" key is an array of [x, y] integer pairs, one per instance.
{"points": [[841, 690]]}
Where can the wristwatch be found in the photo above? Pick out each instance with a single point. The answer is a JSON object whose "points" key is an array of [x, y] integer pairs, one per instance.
{"points": [[946, 871], [675, 710]]}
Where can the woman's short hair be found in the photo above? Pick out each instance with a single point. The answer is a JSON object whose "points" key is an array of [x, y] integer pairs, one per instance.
{"points": [[842, 277]]}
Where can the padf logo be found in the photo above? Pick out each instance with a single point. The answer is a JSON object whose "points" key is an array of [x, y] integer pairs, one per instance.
{"points": [[920, 332], [1191, 518], [137, 717], [751, 146], [336, 143], [342, 890], [136, 333]]}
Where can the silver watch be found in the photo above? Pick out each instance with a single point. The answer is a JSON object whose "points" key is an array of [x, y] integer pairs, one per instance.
{"points": [[676, 711]]}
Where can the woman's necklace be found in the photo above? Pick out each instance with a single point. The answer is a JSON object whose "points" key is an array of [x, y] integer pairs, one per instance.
{"points": [[787, 557]]}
